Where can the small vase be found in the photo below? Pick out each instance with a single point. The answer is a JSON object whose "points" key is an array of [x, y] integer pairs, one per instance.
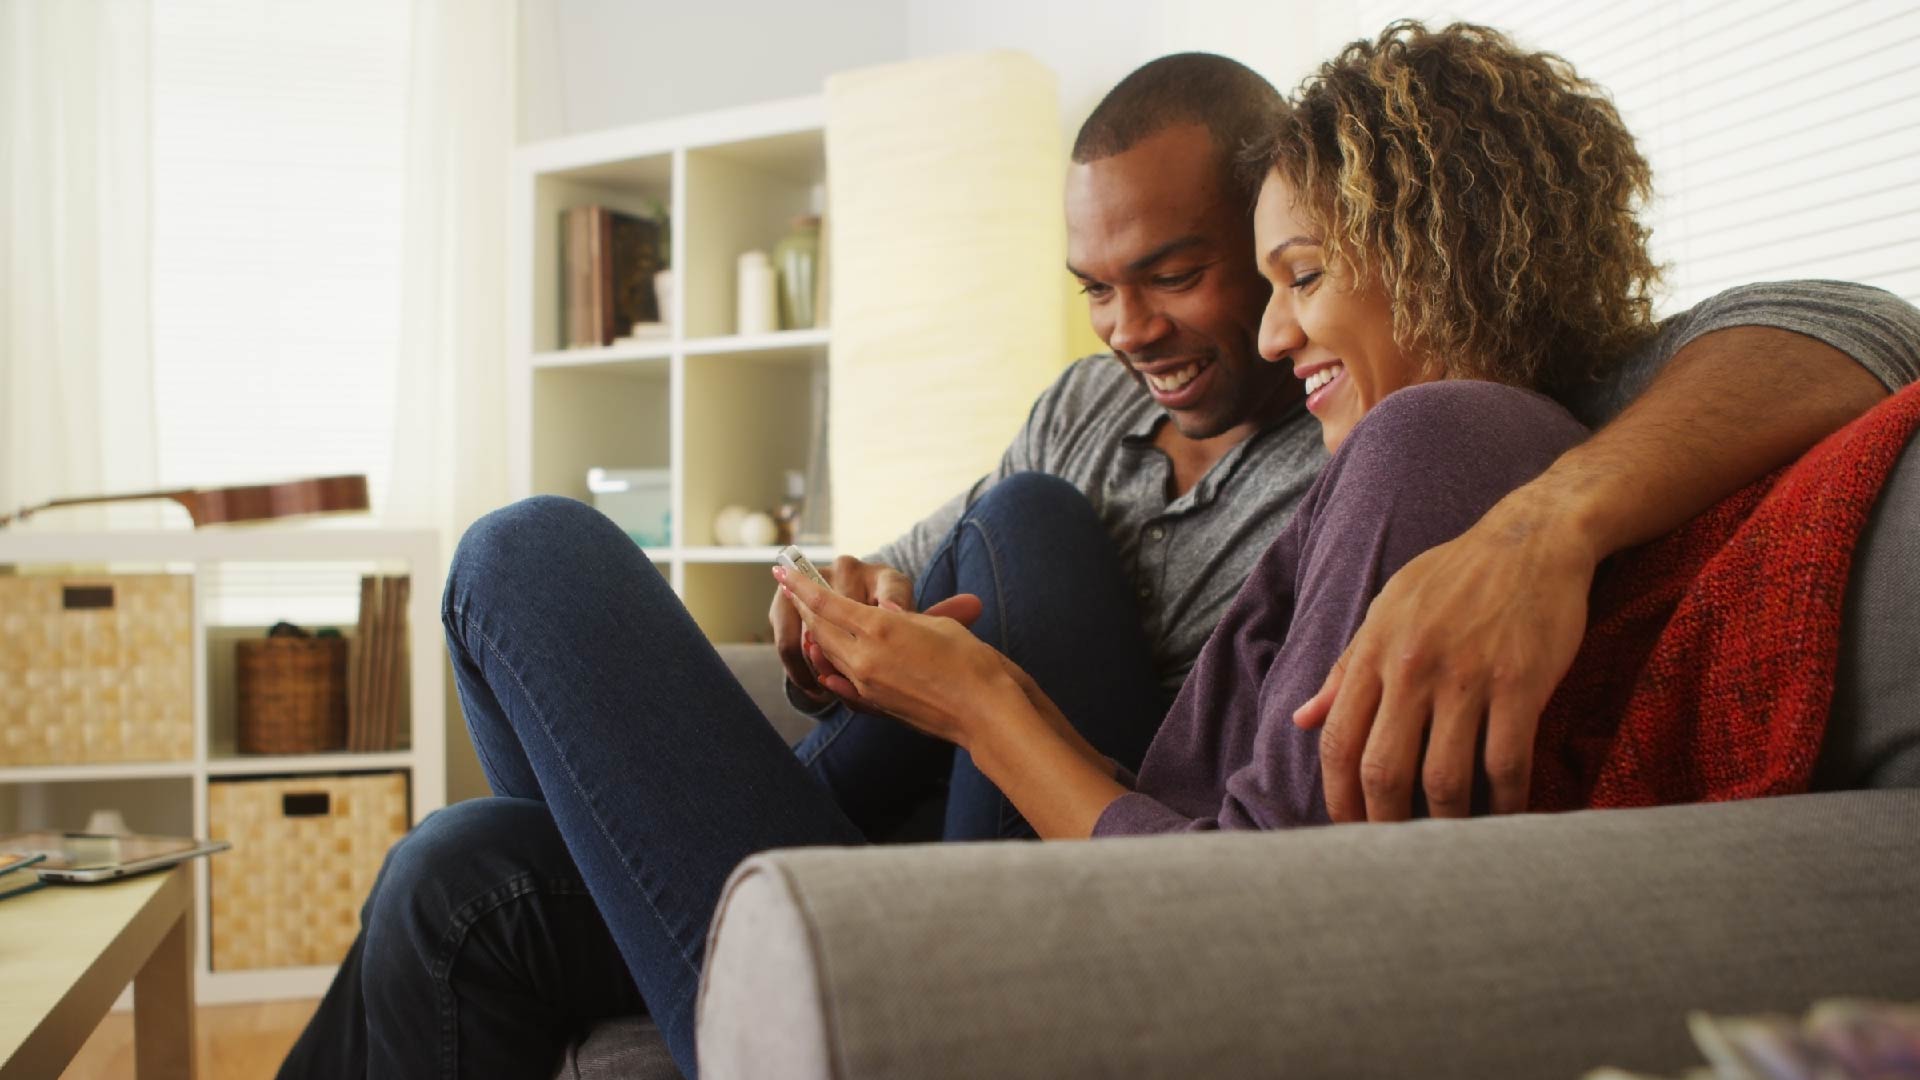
{"points": [[797, 256], [663, 295]]}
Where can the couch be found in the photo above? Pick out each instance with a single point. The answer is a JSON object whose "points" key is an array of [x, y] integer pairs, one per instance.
{"points": [[1526, 946]]}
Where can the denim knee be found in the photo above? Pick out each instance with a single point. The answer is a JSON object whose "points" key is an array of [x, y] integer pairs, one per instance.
{"points": [[1031, 493], [1037, 502], [529, 532], [538, 538], [458, 857], [409, 914]]}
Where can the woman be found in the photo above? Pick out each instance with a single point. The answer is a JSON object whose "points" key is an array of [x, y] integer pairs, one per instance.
{"points": [[1443, 208]]}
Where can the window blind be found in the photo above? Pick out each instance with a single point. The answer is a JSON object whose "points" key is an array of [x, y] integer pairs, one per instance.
{"points": [[278, 156], [1784, 135]]}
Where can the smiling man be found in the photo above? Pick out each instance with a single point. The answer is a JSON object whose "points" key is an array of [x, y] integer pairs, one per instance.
{"points": [[1188, 449]]}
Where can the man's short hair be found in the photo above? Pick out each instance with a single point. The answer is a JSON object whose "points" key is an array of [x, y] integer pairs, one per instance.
{"points": [[1237, 106]]}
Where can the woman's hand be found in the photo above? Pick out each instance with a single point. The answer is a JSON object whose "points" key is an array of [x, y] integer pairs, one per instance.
{"points": [[925, 669]]}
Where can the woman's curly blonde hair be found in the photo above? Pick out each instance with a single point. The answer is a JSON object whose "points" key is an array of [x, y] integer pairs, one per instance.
{"points": [[1493, 191]]}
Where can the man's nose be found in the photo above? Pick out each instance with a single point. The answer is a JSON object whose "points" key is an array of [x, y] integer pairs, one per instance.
{"points": [[1136, 325]]}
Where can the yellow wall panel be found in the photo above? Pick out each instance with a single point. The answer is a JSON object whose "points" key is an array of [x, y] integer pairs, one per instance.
{"points": [[949, 314]]}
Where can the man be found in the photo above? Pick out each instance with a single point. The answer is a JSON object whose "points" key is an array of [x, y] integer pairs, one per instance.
{"points": [[483, 944], [1193, 451]]}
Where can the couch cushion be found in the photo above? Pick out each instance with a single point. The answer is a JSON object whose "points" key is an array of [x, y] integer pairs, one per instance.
{"points": [[1873, 730], [627, 1048], [760, 674]]}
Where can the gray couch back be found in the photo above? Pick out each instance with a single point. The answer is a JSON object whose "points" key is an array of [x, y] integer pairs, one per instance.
{"points": [[1873, 732]]}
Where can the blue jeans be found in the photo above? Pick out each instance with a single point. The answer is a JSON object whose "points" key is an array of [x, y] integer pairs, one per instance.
{"points": [[1056, 600], [634, 771]]}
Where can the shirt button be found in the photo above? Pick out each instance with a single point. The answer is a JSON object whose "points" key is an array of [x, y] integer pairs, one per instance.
{"points": [[1145, 592], [1156, 533]]}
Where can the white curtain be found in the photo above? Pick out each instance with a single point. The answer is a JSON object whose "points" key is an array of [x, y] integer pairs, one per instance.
{"points": [[449, 459], [76, 372]]}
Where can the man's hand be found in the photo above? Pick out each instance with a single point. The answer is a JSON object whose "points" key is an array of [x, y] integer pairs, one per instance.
{"points": [[862, 582], [1473, 634], [1477, 633]]}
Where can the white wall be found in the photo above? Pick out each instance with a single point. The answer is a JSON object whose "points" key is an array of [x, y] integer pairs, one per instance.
{"points": [[586, 65], [1091, 46]]}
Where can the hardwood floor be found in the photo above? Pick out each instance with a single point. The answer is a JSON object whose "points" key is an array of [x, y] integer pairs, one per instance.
{"points": [[236, 1042]]}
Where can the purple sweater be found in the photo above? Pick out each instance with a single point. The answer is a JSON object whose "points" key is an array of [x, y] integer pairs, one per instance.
{"points": [[1418, 470]]}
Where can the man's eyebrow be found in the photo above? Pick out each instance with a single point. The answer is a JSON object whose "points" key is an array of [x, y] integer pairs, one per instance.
{"points": [[1164, 250], [1281, 247], [1151, 257]]}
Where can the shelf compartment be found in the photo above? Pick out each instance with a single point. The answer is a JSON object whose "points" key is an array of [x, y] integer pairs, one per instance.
{"points": [[585, 418], [743, 431], [631, 186], [740, 197]]}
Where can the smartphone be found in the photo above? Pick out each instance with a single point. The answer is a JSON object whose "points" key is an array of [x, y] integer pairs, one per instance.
{"points": [[797, 563]]}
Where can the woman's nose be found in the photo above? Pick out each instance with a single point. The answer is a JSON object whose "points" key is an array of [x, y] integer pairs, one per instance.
{"points": [[1280, 333]]}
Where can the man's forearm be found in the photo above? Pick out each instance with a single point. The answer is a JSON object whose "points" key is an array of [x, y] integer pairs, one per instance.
{"points": [[1730, 407]]}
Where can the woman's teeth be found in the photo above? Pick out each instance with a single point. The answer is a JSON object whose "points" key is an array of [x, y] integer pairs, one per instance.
{"points": [[1324, 376], [1174, 380]]}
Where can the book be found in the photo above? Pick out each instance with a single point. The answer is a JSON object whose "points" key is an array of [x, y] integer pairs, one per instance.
{"points": [[397, 682], [378, 679], [16, 877], [359, 669], [382, 642], [607, 269]]}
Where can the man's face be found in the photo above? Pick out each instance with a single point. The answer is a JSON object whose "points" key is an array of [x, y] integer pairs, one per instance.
{"points": [[1165, 256]]}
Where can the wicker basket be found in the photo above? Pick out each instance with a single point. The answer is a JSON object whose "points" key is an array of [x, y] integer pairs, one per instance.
{"points": [[96, 669], [292, 694], [305, 853]]}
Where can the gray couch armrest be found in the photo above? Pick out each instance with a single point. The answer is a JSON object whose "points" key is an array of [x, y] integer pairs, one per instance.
{"points": [[1525, 946], [758, 669]]}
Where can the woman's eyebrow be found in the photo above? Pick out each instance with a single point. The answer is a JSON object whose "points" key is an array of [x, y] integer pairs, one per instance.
{"points": [[1281, 247]]}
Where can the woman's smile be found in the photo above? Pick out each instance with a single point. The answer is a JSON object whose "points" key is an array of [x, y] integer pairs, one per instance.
{"points": [[1321, 378]]}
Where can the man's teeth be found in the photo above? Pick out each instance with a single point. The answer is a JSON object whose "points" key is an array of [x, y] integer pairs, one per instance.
{"points": [[1322, 377], [1174, 380]]}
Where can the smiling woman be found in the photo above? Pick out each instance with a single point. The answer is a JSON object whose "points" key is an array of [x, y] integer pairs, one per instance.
{"points": [[1446, 205]]}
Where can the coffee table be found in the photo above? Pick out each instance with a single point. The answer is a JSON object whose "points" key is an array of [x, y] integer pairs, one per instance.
{"points": [[67, 951]]}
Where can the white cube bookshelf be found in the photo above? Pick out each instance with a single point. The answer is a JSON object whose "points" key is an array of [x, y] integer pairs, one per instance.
{"points": [[172, 795], [726, 415]]}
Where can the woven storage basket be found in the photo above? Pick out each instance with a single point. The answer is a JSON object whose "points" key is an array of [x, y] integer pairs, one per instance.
{"points": [[96, 669], [305, 853], [292, 694]]}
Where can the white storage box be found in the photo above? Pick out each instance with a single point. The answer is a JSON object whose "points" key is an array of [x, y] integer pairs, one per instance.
{"points": [[637, 500]]}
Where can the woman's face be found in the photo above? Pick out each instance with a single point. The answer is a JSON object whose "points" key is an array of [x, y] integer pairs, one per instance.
{"points": [[1337, 333]]}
